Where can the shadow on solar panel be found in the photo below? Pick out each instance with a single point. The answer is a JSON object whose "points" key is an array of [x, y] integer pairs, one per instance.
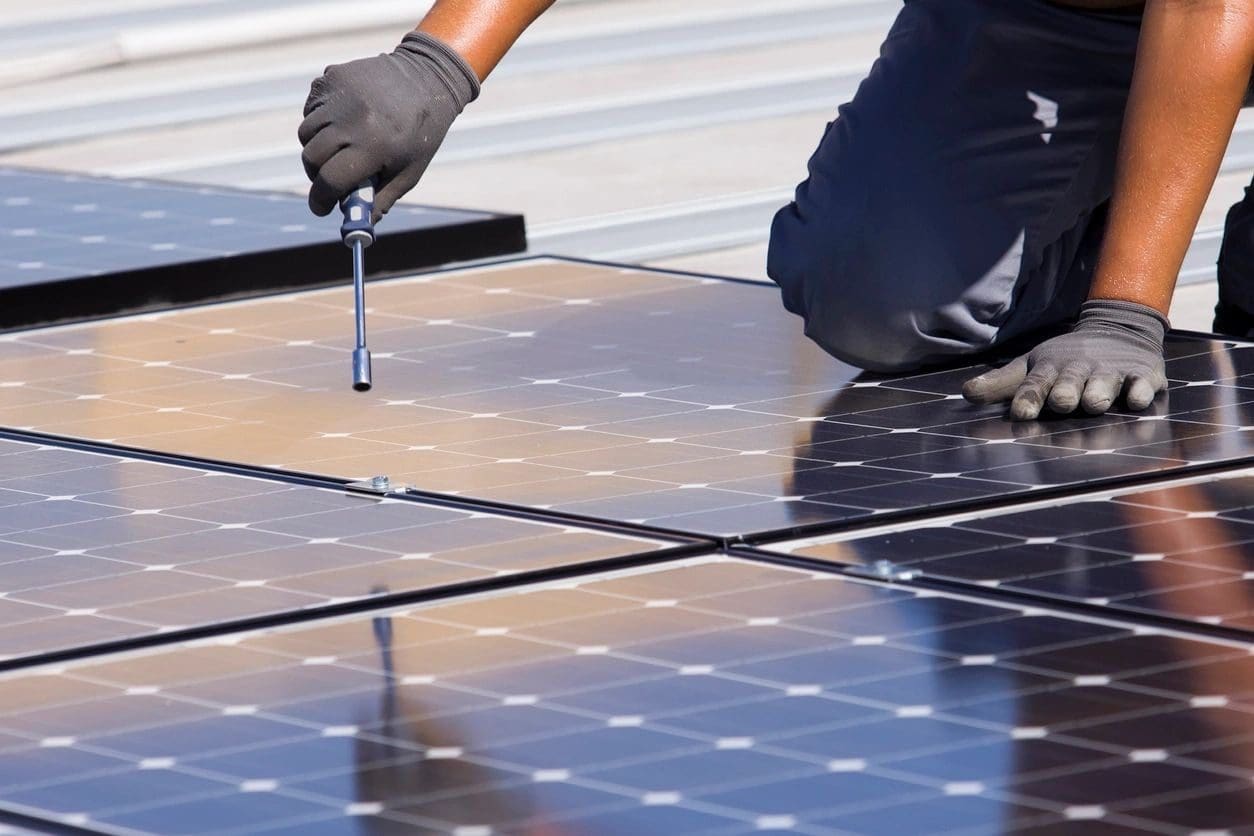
{"points": [[1182, 551]]}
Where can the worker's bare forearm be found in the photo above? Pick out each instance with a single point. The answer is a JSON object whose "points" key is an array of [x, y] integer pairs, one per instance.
{"points": [[1193, 68], [482, 31]]}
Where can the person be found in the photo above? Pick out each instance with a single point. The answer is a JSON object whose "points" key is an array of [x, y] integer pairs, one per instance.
{"points": [[1007, 167]]}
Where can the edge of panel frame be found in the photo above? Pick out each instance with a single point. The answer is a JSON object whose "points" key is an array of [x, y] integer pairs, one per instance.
{"points": [[250, 275]]}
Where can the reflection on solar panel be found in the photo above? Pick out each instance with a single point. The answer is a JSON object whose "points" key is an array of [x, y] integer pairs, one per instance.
{"points": [[229, 663], [76, 246], [1183, 551], [98, 549], [683, 403], [715, 696]]}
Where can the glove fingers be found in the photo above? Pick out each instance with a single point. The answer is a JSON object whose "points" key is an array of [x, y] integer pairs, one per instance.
{"points": [[1030, 398], [1064, 397], [319, 90], [998, 384], [314, 121], [336, 178], [1100, 393], [1141, 390], [320, 149], [391, 190]]}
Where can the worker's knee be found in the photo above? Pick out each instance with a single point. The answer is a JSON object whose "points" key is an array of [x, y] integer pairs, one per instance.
{"points": [[878, 329], [880, 336], [878, 301]]}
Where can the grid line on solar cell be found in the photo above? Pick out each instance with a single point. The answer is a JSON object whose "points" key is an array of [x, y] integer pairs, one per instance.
{"points": [[1182, 551], [97, 549], [684, 403], [505, 716]]}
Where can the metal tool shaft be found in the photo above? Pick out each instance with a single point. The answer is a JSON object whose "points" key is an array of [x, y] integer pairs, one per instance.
{"points": [[361, 355], [357, 232], [359, 291]]}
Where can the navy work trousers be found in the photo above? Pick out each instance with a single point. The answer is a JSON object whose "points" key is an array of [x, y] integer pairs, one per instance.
{"points": [[959, 200]]}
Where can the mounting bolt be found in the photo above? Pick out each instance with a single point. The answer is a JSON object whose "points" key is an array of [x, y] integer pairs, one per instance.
{"points": [[884, 569], [380, 483]]}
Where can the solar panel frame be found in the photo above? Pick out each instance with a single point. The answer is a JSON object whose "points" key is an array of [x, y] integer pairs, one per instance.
{"points": [[506, 710], [1106, 681], [860, 451], [1172, 552], [154, 266], [102, 553]]}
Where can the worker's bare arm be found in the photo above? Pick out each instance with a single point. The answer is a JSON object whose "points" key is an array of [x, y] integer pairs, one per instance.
{"points": [[1193, 68], [383, 118], [482, 31]]}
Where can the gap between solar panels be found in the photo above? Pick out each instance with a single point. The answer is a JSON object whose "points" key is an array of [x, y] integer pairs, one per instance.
{"points": [[1058, 495], [685, 698], [1007, 596], [663, 401], [105, 553], [358, 487], [1174, 552], [359, 600], [360, 603], [225, 629], [655, 403], [27, 824], [897, 520]]}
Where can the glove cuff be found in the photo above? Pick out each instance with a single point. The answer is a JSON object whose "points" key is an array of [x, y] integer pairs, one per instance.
{"points": [[458, 77], [1131, 318]]}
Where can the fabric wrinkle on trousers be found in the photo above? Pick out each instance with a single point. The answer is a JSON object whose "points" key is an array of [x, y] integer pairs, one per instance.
{"points": [[957, 202]]}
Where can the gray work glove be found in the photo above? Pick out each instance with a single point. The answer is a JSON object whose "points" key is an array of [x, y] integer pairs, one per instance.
{"points": [[383, 118], [1114, 347]]}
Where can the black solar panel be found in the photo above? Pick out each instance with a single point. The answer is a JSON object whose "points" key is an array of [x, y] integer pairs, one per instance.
{"points": [[97, 549], [678, 402], [1184, 551], [248, 644], [715, 696], [76, 246]]}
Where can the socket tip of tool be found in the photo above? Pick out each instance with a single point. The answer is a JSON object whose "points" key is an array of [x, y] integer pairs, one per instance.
{"points": [[361, 370]]}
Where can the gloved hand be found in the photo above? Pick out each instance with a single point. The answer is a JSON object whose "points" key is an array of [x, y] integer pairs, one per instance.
{"points": [[1114, 347], [382, 117]]}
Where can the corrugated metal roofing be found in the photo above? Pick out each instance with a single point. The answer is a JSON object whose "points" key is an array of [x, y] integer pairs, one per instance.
{"points": [[685, 126]]}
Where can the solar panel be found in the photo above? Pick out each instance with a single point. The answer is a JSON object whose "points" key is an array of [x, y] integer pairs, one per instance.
{"points": [[76, 246], [1181, 551], [678, 402], [712, 696], [99, 549]]}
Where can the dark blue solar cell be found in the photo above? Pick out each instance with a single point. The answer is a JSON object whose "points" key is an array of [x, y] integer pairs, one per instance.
{"points": [[642, 733]]}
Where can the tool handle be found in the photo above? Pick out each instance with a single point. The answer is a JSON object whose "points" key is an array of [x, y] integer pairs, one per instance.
{"points": [[357, 209]]}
